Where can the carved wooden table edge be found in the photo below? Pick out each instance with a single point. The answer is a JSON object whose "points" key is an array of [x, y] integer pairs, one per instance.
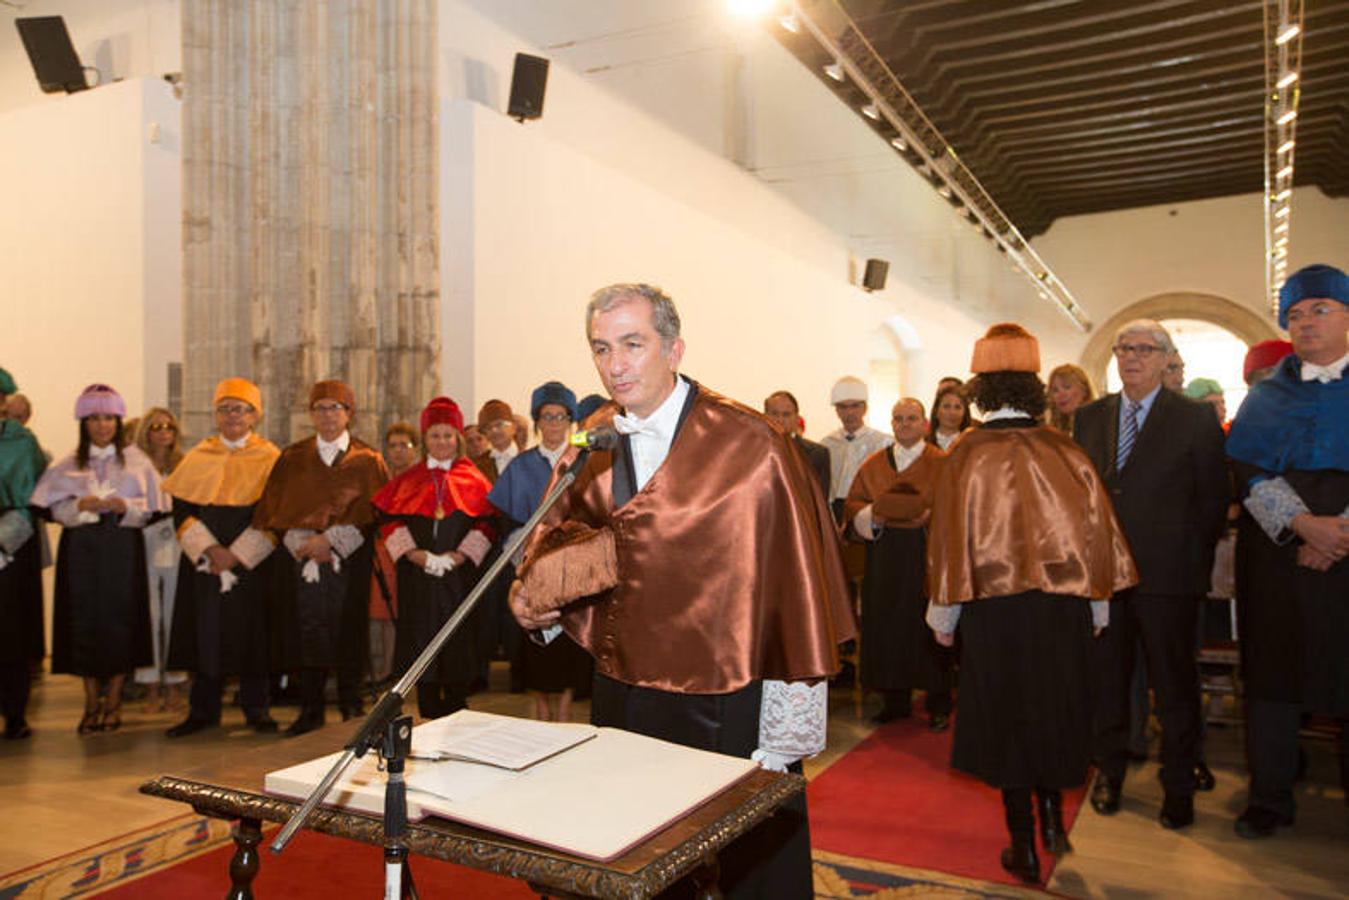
{"points": [[493, 853]]}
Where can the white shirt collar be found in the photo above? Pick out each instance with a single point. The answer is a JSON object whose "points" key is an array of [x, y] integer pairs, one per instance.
{"points": [[329, 451], [107, 452], [552, 455], [1327, 373], [235, 445], [661, 423], [905, 456], [1006, 412], [445, 464], [502, 457]]}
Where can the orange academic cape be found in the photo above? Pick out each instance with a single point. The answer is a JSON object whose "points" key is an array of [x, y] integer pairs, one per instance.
{"points": [[1019, 509], [900, 498], [728, 561]]}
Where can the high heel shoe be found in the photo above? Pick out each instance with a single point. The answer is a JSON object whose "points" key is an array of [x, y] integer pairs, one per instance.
{"points": [[112, 718], [89, 724]]}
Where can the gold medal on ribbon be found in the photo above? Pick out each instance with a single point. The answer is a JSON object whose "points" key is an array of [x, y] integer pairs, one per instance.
{"points": [[440, 513]]}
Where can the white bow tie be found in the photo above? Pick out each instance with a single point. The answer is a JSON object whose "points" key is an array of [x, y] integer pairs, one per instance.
{"points": [[445, 464], [1323, 374], [633, 425]]}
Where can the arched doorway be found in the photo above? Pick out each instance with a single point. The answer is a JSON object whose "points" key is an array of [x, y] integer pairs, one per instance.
{"points": [[1240, 321], [888, 368]]}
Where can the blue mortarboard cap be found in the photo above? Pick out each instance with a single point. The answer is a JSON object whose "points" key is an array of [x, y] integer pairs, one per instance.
{"points": [[586, 408], [552, 392], [1312, 282]]}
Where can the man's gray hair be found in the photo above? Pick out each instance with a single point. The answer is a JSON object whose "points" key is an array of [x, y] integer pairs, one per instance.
{"points": [[664, 316], [1150, 327]]}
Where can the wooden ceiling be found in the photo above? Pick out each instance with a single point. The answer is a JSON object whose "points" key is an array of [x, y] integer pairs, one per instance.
{"points": [[1063, 107]]}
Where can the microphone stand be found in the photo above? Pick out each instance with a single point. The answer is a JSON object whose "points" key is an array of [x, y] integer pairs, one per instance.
{"points": [[389, 732]]}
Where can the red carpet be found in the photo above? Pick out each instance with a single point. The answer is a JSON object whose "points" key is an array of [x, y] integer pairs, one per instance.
{"points": [[894, 798], [317, 866]]}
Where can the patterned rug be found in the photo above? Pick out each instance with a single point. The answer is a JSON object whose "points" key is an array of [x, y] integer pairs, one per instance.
{"points": [[114, 866]]}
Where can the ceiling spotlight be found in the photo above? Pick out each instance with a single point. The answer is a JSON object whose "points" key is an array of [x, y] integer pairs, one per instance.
{"points": [[1286, 146], [1286, 117], [944, 191], [1281, 212], [1288, 33], [834, 70], [1282, 226], [1286, 80], [1283, 195], [789, 23], [1282, 242], [899, 144], [872, 111], [1285, 172]]}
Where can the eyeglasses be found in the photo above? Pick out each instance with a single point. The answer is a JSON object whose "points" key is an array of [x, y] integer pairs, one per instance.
{"points": [[1319, 310], [1175, 367], [162, 426], [1142, 351], [555, 417], [327, 407], [233, 409], [401, 445]]}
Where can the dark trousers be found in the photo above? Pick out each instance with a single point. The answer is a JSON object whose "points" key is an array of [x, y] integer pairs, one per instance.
{"points": [[1166, 626], [14, 685], [935, 703], [435, 700], [771, 862], [205, 702]]}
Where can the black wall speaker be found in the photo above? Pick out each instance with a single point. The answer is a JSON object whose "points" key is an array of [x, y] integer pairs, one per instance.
{"points": [[874, 277], [527, 87], [54, 60]]}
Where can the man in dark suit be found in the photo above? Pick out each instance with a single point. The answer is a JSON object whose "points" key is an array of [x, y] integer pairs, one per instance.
{"points": [[782, 408], [1161, 457]]}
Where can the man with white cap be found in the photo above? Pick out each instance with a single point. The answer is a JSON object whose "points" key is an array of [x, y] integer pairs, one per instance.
{"points": [[852, 443]]}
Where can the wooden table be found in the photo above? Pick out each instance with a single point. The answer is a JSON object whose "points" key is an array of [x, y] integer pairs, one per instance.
{"points": [[232, 789]]}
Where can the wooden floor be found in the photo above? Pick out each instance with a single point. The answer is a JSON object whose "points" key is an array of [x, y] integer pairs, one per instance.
{"points": [[63, 792]]}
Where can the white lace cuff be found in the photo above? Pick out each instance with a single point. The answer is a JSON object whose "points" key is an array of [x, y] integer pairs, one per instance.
{"points": [[136, 515], [792, 718], [195, 538], [252, 547], [294, 539], [1100, 613], [68, 513], [863, 525], [15, 530], [399, 543], [943, 619], [1274, 504], [475, 546], [344, 539]]}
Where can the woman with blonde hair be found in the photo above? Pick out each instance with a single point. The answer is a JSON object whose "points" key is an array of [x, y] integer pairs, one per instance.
{"points": [[158, 438], [1069, 388]]}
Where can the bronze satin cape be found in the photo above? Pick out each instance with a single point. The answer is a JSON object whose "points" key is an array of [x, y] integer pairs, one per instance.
{"points": [[302, 492], [1020, 509], [728, 560], [900, 497]]}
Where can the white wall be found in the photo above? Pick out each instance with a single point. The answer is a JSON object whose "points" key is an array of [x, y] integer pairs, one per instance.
{"points": [[90, 231], [1111, 260]]}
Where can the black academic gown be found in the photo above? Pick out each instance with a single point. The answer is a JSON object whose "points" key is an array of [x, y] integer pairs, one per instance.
{"points": [[101, 606], [426, 602], [213, 633], [21, 637]]}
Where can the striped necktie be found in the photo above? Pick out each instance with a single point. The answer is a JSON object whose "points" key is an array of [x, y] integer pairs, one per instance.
{"points": [[1128, 433]]}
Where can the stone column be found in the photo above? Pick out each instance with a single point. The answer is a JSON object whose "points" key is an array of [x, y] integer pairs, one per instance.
{"points": [[310, 205]]}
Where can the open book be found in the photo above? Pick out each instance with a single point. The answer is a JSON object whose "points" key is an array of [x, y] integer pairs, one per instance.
{"points": [[501, 741], [606, 792]]}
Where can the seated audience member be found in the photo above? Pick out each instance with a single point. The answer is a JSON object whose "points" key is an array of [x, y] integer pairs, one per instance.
{"points": [[102, 494]]}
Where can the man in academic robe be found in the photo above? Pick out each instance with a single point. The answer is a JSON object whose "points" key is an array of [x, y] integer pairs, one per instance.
{"points": [[727, 602], [1290, 446], [888, 507], [851, 443], [221, 623], [496, 422], [21, 639], [317, 504], [781, 407], [1161, 457]]}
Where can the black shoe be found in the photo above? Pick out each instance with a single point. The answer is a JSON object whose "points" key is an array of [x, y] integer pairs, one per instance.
{"points": [[1203, 777], [17, 731], [263, 724], [1105, 794], [1052, 832], [306, 723], [1260, 823], [1177, 812], [188, 726], [938, 723], [1021, 861]]}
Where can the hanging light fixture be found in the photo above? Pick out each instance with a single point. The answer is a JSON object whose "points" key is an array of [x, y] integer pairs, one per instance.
{"points": [[1283, 77]]}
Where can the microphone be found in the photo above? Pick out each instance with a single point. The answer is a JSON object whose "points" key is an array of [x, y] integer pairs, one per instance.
{"points": [[596, 439]]}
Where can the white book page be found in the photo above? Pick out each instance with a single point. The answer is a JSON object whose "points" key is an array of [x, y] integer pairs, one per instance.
{"points": [[502, 741]]}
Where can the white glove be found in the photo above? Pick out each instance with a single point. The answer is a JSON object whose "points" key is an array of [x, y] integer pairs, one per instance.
{"points": [[4, 559], [310, 571], [227, 581], [773, 762], [437, 564]]}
